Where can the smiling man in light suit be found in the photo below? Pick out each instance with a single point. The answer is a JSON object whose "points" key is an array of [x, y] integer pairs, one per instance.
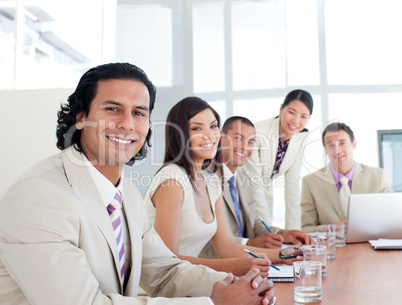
{"points": [[322, 199], [73, 230], [237, 141]]}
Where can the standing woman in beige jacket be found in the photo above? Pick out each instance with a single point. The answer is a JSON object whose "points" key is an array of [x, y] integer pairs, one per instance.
{"points": [[278, 152]]}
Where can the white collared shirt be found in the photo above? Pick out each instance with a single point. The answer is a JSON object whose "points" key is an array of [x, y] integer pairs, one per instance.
{"points": [[105, 188], [227, 173]]}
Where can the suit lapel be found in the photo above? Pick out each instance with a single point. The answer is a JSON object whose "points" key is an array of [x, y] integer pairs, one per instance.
{"points": [[228, 198], [249, 227], [131, 200], [88, 194], [332, 192], [267, 136], [358, 188], [292, 150], [273, 133]]}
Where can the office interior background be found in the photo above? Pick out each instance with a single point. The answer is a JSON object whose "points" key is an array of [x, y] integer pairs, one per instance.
{"points": [[242, 56]]}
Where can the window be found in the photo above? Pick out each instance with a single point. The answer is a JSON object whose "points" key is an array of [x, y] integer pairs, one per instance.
{"points": [[242, 56], [146, 32], [208, 48], [362, 44], [49, 44], [259, 49]]}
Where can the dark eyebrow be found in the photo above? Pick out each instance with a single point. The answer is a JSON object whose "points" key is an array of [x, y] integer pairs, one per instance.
{"points": [[198, 123], [111, 102], [239, 134], [303, 113], [106, 102], [143, 108]]}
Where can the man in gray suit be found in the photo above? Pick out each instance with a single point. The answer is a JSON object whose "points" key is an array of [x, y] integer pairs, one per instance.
{"points": [[324, 198], [73, 229], [237, 141]]}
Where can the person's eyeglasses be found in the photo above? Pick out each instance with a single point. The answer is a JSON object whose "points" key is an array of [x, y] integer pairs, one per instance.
{"points": [[289, 253]]}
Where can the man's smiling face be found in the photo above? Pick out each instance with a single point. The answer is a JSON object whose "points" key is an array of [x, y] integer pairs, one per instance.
{"points": [[237, 144], [117, 123], [339, 148]]}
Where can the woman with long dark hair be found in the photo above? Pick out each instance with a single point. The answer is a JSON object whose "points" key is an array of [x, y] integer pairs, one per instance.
{"points": [[184, 200]]}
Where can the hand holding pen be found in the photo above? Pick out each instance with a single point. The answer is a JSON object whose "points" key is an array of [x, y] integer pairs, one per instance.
{"points": [[256, 256], [267, 240], [265, 225]]}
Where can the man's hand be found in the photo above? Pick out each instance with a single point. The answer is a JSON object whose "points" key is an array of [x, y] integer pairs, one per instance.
{"points": [[343, 222], [267, 240], [250, 289], [296, 237]]}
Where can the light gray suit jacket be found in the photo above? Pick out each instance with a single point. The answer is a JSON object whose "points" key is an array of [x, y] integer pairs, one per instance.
{"points": [[253, 227], [261, 165], [57, 245], [320, 201]]}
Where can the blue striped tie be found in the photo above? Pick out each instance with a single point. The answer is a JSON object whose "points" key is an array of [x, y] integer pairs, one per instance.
{"points": [[235, 199], [113, 209]]}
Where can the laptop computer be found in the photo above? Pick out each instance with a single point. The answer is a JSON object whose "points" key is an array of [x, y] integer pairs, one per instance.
{"points": [[374, 216]]}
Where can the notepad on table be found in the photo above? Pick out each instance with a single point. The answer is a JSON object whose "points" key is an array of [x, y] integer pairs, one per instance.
{"points": [[386, 244], [285, 274]]}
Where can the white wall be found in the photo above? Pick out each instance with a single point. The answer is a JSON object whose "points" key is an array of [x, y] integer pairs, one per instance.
{"points": [[28, 120]]}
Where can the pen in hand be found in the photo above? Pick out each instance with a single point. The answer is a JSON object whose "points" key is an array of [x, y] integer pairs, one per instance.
{"points": [[256, 256], [265, 225]]}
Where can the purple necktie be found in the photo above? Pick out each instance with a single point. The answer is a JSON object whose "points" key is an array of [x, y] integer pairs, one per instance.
{"points": [[113, 209]]}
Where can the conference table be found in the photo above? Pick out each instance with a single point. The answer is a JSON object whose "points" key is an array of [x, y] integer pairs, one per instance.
{"points": [[358, 275]]}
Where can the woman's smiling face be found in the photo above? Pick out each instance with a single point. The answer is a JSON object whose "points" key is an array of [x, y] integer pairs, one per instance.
{"points": [[204, 135], [293, 118]]}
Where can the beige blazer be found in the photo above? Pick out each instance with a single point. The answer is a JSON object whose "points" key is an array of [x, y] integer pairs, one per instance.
{"points": [[261, 165], [320, 201], [253, 227], [57, 245]]}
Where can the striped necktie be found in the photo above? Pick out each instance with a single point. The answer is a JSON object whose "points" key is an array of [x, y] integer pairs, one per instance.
{"points": [[235, 199], [114, 209]]}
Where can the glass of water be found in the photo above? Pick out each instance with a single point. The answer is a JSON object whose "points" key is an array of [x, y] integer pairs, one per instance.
{"points": [[316, 253], [327, 239], [307, 281]]}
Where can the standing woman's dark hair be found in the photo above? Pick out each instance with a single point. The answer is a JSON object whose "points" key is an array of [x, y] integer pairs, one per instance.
{"points": [[302, 96], [80, 100], [177, 137]]}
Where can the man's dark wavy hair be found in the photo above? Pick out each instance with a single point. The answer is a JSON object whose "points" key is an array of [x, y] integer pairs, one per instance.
{"points": [[80, 100]]}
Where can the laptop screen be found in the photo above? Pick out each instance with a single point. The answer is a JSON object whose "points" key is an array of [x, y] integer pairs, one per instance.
{"points": [[374, 216]]}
